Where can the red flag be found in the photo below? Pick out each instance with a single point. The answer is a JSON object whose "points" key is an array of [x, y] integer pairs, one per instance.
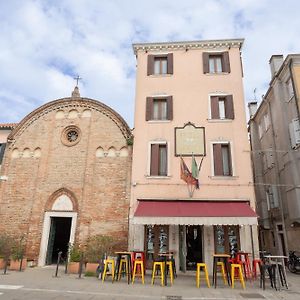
{"points": [[186, 175]]}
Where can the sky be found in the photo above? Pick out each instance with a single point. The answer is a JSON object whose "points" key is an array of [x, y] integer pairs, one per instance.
{"points": [[45, 44]]}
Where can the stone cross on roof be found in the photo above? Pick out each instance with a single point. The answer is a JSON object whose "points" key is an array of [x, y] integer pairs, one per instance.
{"points": [[75, 93]]}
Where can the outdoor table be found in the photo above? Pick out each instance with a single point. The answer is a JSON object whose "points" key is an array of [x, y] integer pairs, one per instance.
{"points": [[127, 254], [166, 255], [278, 259], [224, 258]]}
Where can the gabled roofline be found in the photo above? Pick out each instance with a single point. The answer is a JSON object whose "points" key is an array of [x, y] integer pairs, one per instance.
{"points": [[188, 45], [71, 102]]}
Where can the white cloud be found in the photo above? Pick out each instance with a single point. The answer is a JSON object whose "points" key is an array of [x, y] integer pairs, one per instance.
{"points": [[45, 43]]}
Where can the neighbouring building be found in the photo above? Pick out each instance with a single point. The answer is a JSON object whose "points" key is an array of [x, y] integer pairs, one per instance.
{"points": [[5, 130], [67, 167], [189, 102], [275, 139]]}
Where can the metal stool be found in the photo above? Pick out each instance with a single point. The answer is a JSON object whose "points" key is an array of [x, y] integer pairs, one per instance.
{"points": [[203, 266], [239, 268], [123, 263], [140, 264], [221, 264], [112, 263], [160, 267]]}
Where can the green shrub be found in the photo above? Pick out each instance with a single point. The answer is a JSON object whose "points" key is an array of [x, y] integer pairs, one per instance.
{"points": [[18, 249], [90, 274], [74, 253], [97, 246]]}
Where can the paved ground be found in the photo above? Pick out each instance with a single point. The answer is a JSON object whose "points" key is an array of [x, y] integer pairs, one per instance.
{"points": [[40, 283]]}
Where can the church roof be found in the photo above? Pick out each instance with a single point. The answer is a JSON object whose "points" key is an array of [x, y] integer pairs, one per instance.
{"points": [[8, 125]]}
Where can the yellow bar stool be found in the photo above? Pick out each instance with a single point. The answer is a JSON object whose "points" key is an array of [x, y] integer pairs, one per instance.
{"points": [[237, 267], [204, 267], [138, 264], [169, 267], [222, 266], [158, 266], [105, 273], [123, 263]]}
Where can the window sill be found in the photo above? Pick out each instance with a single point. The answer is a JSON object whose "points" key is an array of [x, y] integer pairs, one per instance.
{"points": [[158, 177], [219, 73], [159, 121], [159, 75], [219, 120], [223, 177]]}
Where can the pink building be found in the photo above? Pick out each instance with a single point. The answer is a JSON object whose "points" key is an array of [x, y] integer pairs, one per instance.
{"points": [[190, 102], [5, 130]]}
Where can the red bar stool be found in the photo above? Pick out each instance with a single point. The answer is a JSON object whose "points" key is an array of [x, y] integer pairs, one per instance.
{"points": [[243, 259], [256, 263], [138, 255]]}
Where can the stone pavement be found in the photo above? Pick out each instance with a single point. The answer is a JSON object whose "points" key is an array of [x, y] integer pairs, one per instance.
{"points": [[39, 283]]}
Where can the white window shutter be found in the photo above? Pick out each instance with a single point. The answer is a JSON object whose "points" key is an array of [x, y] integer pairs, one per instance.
{"points": [[296, 130]]}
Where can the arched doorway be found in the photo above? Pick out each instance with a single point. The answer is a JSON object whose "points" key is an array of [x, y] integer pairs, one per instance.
{"points": [[58, 228]]}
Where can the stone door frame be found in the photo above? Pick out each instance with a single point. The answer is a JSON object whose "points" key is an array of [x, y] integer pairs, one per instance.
{"points": [[46, 231]]}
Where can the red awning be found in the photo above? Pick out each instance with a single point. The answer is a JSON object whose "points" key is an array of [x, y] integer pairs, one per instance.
{"points": [[194, 213]]}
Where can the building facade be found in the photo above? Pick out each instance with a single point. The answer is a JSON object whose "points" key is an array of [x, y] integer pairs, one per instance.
{"points": [[68, 168], [190, 107], [5, 130], [275, 139]]}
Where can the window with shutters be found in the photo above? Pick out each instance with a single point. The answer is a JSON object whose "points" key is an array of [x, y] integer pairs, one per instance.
{"points": [[221, 107], [222, 159], [216, 62], [159, 160], [159, 108], [160, 64]]}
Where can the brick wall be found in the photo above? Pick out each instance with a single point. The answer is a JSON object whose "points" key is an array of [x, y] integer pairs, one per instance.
{"points": [[100, 184]]}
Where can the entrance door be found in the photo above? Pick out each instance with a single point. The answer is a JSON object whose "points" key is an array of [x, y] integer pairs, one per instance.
{"points": [[193, 246], [59, 237], [156, 241]]}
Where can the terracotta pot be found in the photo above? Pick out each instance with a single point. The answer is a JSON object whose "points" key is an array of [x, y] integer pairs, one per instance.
{"points": [[15, 264], [73, 267], [2, 263], [91, 267]]}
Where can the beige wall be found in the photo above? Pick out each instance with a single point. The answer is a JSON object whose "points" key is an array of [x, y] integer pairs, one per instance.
{"points": [[4, 134], [190, 89]]}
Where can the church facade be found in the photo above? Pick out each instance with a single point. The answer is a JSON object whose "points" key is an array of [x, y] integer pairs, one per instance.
{"points": [[68, 170]]}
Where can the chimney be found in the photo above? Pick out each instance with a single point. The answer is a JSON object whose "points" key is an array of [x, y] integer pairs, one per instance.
{"points": [[252, 106], [275, 64]]}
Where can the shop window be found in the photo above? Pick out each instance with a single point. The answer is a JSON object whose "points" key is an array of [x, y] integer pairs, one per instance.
{"points": [[227, 239], [156, 241]]}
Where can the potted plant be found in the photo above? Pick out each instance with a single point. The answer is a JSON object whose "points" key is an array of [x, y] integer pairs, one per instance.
{"points": [[75, 255], [97, 248], [18, 261], [5, 249]]}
